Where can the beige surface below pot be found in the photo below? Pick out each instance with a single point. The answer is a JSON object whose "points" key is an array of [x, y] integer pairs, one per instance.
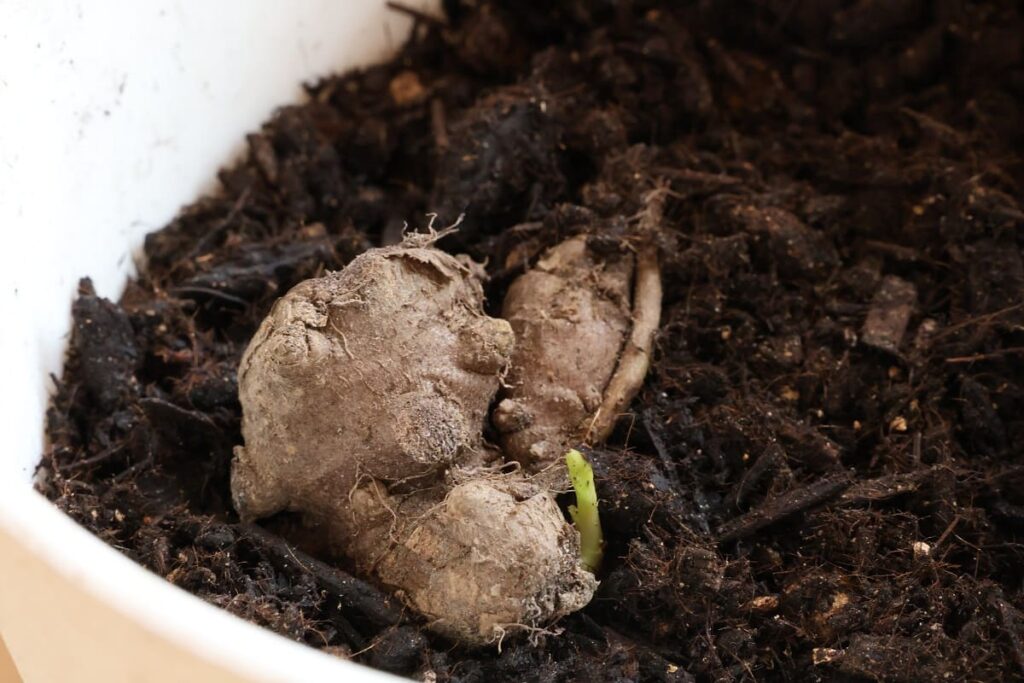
{"points": [[57, 628], [112, 116]]}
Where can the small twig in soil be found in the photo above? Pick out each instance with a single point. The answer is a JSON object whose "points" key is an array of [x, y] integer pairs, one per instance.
{"points": [[897, 251], [977, 320], [133, 470], [357, 594], [207, 240], [986, 356], [439, 124], [101, 457], [416, 14], [945, 534], [772, 456], [944, 132], [704, 181], [193, 289], [884, 488], [785, 505]]}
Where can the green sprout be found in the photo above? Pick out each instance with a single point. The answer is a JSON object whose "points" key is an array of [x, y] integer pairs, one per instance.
{"points": [[584, 513]]}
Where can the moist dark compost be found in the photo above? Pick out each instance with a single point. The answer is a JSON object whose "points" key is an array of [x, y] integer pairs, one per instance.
{"points": [[822, 477]]}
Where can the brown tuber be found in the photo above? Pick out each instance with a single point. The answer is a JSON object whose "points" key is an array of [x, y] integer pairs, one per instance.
{"points": [[364, 396], [584, 325], [570, 315]]}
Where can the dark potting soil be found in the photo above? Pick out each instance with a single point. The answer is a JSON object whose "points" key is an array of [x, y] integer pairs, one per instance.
{"points": [[823, 476]]}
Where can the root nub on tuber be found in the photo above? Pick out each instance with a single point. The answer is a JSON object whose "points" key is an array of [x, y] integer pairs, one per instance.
{"points": [[364, 394]]}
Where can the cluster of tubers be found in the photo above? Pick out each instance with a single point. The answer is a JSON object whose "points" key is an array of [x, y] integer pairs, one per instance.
{"points": [[366, 394]]}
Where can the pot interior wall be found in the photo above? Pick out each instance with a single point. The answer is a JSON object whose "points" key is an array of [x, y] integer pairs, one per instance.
{"points": [[113, 116]]}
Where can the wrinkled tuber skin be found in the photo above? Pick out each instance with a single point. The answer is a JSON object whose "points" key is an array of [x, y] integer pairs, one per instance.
{"points": [[384, 369], [364, 396], [571, 316], [495, 555]]}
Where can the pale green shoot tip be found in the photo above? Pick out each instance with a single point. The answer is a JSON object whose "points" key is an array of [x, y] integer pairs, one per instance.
{"points": [[584, 513]]}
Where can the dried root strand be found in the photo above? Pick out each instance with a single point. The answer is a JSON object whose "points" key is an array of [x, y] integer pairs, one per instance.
{"points": [[635, 359]]}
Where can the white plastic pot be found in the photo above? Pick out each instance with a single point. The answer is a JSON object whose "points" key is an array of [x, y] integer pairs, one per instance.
{"points": [[112, 116]]}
